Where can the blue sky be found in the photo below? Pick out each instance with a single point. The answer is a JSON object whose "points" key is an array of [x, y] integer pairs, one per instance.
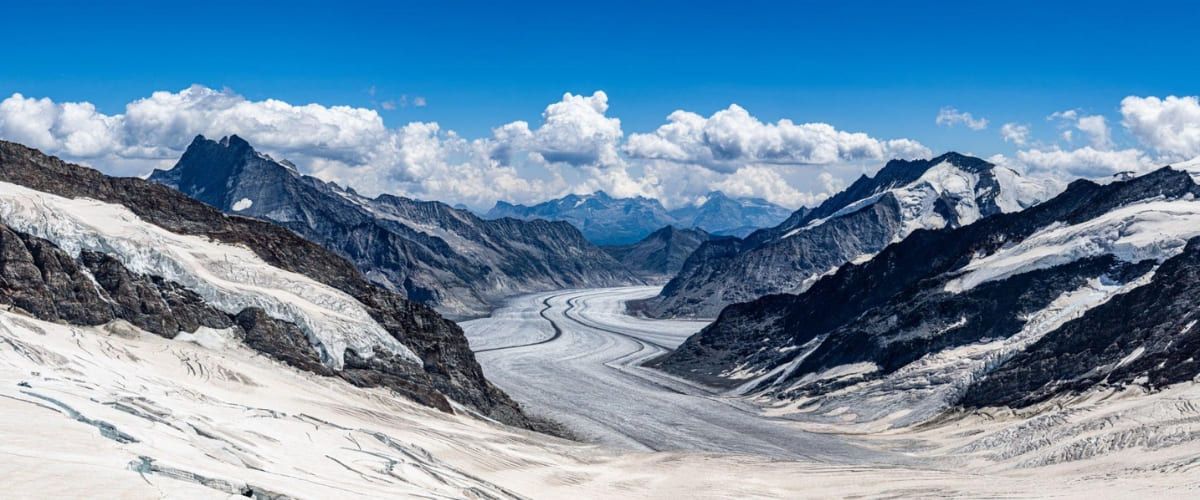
{"points": [[881, 68]]}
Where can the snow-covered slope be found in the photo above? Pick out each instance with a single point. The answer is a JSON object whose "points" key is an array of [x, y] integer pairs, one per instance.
{"points": [[1094, 288], [1147, 230], [228, 277], [85, 249], [113, 411], [951, 190]]}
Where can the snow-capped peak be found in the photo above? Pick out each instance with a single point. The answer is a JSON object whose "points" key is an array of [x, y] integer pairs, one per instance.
{"points": [[969, 189]]}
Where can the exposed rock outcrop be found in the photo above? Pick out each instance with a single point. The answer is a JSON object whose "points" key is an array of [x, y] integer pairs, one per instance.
{"points": [[428, 252], [448, 367]]}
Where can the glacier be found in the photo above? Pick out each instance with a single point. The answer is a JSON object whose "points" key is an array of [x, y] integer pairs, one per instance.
{"points": [[229, 277]]}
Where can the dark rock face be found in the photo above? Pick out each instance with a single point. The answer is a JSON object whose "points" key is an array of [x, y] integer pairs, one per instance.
{"points": [[1147, 333], [449, 369], [39, 278], [150, 303], [610, 221], [789, 257], [895, 309], [281, 340], [714, 278], [427, 251], [662, 253]]}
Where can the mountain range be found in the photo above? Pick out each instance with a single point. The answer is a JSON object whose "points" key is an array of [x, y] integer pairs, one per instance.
{"points": [[951, 190], [154, 342], [80, 248], [1093, 288], [605, 220], [661, 254], [426, 251]]}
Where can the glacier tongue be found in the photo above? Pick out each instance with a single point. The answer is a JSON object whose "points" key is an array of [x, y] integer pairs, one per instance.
{"points": [[231, 278]]}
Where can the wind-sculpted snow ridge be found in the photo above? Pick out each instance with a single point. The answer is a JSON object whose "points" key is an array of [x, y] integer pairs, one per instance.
{"points": [[1093, 288], [368, 333], [949, 191], [228, 277]]}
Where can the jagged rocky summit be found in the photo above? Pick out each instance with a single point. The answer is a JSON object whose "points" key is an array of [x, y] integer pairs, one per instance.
{"points": [[951, 190], [426, 251], [82, 248]]}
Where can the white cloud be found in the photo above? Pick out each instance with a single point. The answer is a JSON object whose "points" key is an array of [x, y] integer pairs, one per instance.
{"points": [[1170, 126], [575, 130], [732, 138], [1095, 127], [761, 181], [1015, 133], [1069, 115], [419, 101], [950, 117], [576, 148], [1086, 162]]}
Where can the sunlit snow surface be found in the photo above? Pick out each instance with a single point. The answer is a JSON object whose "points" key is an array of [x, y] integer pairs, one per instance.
{"points": [[115, 412], [589, 378], [1016, 192], [1155, 230], [228, 277]]}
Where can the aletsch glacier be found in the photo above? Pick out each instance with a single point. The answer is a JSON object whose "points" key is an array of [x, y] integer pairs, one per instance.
{"points": [[954, 323]]}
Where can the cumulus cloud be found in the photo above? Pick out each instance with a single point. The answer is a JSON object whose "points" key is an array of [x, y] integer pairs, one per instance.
{"points": [[763, 182], [575, 130], [577, 147], [154, 130], [1015, 133], [1094, 127], [950, 117], [1086, 162], [1170, 126], [732, 138]]}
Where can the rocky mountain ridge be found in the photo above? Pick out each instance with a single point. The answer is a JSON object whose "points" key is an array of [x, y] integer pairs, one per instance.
{"points": [[951, 190], [426, 251], [1091, 288], [660, 255], [104, 247], [622, 221]]}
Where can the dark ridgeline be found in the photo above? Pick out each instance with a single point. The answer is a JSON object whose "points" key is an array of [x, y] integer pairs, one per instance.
{"points": [[861, 220], [894, 309], [41, 279], [426, 251], [660, 255], [610, 221]]}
